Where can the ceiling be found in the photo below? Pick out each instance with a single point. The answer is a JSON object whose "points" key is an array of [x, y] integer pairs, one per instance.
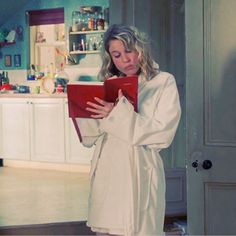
{"points": [[9, 7]]}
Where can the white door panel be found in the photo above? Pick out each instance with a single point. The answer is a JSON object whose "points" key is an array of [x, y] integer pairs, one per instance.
{"points": [[211, 115]]}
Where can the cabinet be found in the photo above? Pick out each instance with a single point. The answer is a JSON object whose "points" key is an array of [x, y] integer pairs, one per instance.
{"points": [[15, 129], [40, 130], [85, 42], [47, 129], [32, 129], [76, 152]]}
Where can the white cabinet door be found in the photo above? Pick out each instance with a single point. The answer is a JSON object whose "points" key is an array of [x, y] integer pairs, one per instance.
{"points": [[75, 151], [47, 129], [15, 129]]}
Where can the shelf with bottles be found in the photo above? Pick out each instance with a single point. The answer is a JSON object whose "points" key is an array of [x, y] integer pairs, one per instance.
{"points": [[87, 29], [85, 42]]}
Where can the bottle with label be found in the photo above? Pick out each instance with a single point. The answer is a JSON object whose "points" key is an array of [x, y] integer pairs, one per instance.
{"points": [[0, 80], [3, 77], [7, 78]]}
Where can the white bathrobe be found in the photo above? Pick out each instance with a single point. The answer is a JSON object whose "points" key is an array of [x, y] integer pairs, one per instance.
{"points": [[127, 195]]}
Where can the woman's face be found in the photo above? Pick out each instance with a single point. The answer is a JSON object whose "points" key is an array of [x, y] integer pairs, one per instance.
{"points": [[125, 61]]}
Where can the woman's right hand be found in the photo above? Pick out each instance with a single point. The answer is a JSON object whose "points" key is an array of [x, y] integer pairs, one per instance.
{"points": [[101, 109]]}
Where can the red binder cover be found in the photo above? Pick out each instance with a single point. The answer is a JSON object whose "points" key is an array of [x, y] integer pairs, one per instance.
{"points": [[81, 92]]}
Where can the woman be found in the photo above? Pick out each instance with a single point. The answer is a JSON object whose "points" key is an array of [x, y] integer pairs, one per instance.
{"points": [[127, 194]]}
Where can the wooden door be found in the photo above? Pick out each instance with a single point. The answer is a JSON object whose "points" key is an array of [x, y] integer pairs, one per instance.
{"points": [[211, 116]]}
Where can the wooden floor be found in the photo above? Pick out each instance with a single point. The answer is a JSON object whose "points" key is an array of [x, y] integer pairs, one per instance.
{"points": [[46, 202], [31, 196], [67, 228]]}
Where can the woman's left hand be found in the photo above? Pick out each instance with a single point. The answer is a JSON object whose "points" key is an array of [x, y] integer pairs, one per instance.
{"points": [[100, 109]]}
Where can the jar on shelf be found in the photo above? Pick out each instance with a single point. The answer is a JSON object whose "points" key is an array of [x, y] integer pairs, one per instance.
{"points": [[91, 23], [84, 19], [76, 21], [100, 22]]}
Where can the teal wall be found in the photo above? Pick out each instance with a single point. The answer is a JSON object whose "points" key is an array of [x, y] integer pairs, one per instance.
{"points": [[19, 18]]}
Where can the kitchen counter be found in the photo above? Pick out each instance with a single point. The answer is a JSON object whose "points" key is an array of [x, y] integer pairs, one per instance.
{"points": [[33, 95]]}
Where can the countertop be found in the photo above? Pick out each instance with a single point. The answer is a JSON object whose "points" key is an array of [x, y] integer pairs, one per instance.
{"points": [[33, 95]]}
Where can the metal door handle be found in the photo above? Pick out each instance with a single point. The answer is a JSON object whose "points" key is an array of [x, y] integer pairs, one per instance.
{"points": [[207, 164]]}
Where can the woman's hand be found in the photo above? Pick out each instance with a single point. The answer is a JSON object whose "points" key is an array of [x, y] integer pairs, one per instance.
{"points": [[120, 94], [102, 108]]}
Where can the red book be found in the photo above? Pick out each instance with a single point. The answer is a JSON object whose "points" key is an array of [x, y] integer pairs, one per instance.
{"points": [[80, 93]]}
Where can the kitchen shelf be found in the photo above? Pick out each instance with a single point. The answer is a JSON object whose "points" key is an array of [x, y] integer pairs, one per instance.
{"points": [[2, 44], [55, 43], [77, 36], [88, 32], [84, 52]]}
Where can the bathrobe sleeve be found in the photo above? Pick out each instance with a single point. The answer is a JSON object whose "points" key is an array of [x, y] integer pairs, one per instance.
{"points": [[89, 130], [156, 131]]}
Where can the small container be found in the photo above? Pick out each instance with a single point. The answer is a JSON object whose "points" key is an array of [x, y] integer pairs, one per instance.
{"points": [[100, 24], [91, 23], [75, 27], [36, 89], [59, 88]]}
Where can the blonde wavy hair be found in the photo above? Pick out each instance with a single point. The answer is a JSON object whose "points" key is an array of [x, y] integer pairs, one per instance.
{"points": [[133, 40]]}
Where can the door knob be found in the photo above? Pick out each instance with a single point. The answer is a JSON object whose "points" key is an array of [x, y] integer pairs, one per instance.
{"points": [[207, 164]]}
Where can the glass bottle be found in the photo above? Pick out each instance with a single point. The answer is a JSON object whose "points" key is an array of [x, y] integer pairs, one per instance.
{"points": [[7, 78], [1, 77], [62, 78], [75, 20], [100, 22]]}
